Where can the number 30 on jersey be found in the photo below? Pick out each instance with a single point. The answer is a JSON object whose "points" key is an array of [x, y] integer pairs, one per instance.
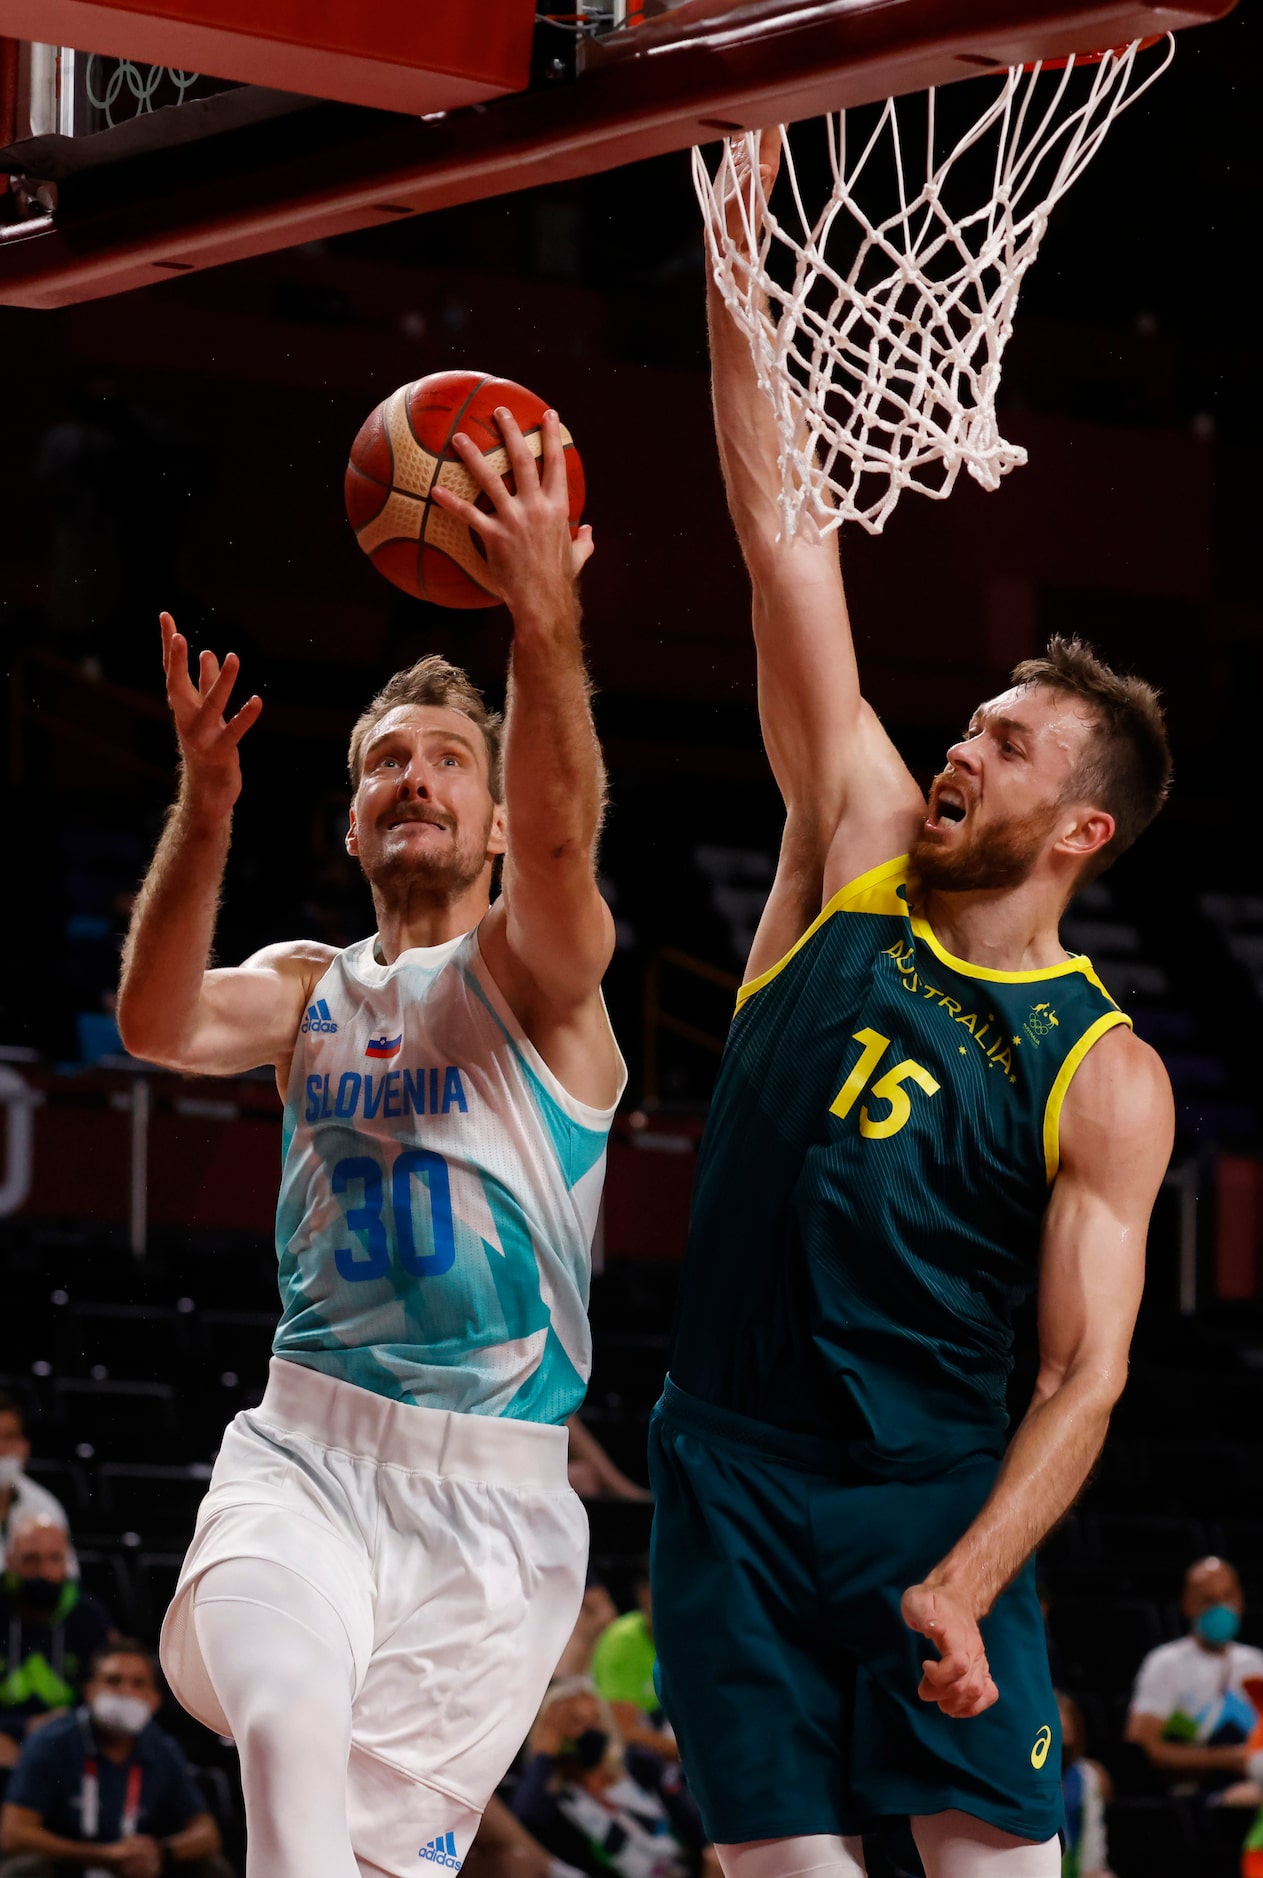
{"points": [[888, 1088], [361, 1174]]}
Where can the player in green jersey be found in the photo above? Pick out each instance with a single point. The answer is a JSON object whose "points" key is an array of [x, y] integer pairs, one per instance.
{"points": [[926, 1111]]}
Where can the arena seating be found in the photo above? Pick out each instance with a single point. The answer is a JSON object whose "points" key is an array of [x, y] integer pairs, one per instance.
{"points": [[130, 1370]]}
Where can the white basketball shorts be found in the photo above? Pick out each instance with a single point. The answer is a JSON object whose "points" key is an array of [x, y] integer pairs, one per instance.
{"points": [[454, 1553]]}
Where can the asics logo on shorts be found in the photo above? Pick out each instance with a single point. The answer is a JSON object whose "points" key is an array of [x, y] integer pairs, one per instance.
{"points": [[1039, 1753], [317, 1018], [442, 1851]]}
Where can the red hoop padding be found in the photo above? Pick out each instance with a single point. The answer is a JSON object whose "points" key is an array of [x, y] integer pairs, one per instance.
{"points": [[1090, 58]]}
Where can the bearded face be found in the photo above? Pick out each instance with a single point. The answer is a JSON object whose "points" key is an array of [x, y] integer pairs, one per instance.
{"points": [[424, 819], [988, 853], [1008, 784]]}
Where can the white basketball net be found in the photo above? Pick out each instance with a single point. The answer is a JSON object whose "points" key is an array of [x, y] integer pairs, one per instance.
{"points": [[884, 377]]}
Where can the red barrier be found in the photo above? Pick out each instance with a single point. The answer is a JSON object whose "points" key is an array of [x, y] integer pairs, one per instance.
{"points": [[141, 1149], [1239, 1233]]}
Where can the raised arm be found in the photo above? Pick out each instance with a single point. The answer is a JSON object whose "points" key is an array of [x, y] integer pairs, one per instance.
{"points": [[550, 936], [172, 1008], [850, 802], [1116, 1133]]}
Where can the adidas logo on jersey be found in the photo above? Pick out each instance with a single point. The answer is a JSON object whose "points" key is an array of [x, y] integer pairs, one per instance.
{"points": [[442, 1851], [318, 1018]]}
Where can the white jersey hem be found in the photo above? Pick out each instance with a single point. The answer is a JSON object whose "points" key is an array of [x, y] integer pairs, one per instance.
{"points": [[340, 1416]]}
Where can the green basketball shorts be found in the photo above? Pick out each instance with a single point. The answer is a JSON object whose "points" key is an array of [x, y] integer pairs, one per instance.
{"points": [[786, 1669]]}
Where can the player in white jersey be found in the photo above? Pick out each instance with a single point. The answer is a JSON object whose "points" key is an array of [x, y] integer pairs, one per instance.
{"points": [[389, 1560]]}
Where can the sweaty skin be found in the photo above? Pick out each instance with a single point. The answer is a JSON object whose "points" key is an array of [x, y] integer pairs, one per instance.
{"points": [[423, 823], [851, 805]]}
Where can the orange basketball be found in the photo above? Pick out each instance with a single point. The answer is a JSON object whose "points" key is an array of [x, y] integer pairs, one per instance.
{"points": [[405, 448]]}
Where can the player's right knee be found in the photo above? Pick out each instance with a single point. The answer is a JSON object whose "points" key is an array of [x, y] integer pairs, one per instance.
{"points": [[815, 1855]]}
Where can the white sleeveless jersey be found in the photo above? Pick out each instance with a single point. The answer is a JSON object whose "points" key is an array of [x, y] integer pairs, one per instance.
{"points": [[439, 1193]]}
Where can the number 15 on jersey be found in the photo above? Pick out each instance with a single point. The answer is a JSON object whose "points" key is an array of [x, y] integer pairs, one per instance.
{"points": [[888, 1088]]}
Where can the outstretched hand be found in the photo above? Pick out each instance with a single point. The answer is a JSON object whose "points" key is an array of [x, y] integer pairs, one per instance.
{"points": [[532, 563], [960, 1679], [208, 739], [769, 162]]}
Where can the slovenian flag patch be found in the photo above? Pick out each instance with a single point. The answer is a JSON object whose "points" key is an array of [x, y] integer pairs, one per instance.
{"points": [[384, 1045]]}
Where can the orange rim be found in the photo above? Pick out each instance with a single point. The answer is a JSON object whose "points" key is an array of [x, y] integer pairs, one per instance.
{"points": [[1089, 58]]}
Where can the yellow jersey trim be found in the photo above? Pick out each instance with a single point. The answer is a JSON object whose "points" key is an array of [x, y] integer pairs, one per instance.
{"points": [[923, 930], [1065, 1076], [876, 886]]}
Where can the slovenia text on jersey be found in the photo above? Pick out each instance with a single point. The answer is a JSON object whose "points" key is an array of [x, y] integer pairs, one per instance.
{"points": [[439, 1193]]}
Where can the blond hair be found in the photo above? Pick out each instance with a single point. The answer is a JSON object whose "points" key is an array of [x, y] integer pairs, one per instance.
{"points": [[432, 680]]}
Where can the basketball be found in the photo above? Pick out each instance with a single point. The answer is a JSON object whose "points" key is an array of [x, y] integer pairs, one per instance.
{"points": [[404, 449]]}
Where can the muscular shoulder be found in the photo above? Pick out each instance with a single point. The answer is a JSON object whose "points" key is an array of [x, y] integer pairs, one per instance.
{"points": [[307, 959], [1119, 1103]]}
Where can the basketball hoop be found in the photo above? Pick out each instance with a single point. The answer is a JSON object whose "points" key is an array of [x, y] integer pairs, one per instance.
{"points": [[882, 367]]}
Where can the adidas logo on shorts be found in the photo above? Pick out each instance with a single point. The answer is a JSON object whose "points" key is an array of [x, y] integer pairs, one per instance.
{"points": [[442, 1851], [318, 1018]]}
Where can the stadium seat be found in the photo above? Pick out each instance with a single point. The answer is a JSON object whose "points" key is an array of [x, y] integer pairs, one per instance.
{"points": [[1151, 1838], [128, 1342], [107, 1575], [68, 1480], [1203, 1477], [1148, 1553], [154, 1575], [237, 1343], [1222, 1830], [157, 1502], [114, 1418], [1102, 1643]]}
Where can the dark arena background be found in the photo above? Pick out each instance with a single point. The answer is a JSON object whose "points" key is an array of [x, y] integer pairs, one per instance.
{"points": [[181, 446]]}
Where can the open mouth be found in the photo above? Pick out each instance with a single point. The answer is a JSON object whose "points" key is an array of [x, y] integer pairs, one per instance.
{"points": [[951, 812]]}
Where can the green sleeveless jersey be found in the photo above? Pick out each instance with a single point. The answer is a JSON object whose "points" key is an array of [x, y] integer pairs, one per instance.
{"points": [[871, 1186]]}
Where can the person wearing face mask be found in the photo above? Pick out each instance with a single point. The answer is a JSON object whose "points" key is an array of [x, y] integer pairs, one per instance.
{"points": [[1190, 1713], [600, 1804], [50, 1628], [20, 1496], [104, 1791]]}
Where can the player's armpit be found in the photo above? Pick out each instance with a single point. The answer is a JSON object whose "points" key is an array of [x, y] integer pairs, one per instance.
{"points": [[247, 1016]]}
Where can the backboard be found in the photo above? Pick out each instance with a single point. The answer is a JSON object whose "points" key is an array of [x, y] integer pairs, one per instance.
{"points": [[129, 165]]}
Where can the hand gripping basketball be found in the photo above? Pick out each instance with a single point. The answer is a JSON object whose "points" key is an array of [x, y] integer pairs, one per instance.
{"points": [[532, 563], [404, 454], [960, 1680]]}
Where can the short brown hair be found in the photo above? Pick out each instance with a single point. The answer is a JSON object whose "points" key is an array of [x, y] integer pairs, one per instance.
{"points": [[432, 680], [123, 1646], [1126, 767]]}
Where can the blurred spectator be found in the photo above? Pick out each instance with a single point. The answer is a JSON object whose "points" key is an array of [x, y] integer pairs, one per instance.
{"points": [[50, 1629], [19, 1495], [1086, 1788], [623, 1665], [1189, 1711], [503, 1848], [597, 1612], [108, 1778], [601, 1805], [593, 1473]]}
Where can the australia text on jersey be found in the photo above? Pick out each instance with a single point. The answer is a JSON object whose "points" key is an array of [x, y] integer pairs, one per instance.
{"points": [[997, 1048], [435, 1090]]}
